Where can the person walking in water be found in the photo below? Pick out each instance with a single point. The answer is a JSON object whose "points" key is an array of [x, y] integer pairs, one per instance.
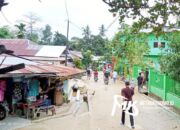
{"points": [[139, 82], [115, 75], [127, 93], [88, 73], [95, 75]]}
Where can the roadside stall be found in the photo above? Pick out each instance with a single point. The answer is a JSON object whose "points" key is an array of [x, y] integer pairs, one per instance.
{"points": [[36, 88]]}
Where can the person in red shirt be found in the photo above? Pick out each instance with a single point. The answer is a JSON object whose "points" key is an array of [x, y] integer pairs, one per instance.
{"points": [[128, 93]]}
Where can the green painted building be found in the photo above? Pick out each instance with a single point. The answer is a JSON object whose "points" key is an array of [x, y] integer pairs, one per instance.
{"points": [[159, 84], [157, 46]]}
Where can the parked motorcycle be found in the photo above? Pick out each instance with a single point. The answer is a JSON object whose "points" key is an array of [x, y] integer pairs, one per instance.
{"points": [[3, 111]]}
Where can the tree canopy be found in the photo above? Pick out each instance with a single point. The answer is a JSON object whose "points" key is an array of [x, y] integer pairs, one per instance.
{"points": [[21, 30], [170, 61], [87, 58], [129, 49], [59, 39], [5, 32], [47, 35], [147, 13]]}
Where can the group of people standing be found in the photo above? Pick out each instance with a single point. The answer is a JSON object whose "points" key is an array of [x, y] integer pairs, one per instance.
{"points": [[107, 74]]}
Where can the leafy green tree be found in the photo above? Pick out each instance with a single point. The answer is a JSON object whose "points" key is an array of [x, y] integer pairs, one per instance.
{"points": [[107, 56], [130, 49], [47, 35], [76, 44], [95, 43], [33, 37], [86, 43], [6, 33], [147, 13], [98, 45], [59, 39], [21, 30], [87, 58], [170, 61], [78, 63]]}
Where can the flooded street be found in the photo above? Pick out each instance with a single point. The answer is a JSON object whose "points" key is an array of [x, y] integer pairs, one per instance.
{"points": [[99, 115]]}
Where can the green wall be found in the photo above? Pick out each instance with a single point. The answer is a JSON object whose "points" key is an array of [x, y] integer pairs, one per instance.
{"points": [[161, 85], [156, 51]]}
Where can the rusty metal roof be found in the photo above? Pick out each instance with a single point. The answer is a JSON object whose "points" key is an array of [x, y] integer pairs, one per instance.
{"points": [[21, 47], [25, 47], [61, 71]]}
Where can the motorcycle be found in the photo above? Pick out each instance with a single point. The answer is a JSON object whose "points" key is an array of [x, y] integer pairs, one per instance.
{"points": [[3, 111]]}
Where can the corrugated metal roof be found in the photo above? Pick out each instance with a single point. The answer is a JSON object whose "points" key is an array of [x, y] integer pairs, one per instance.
{"points": [[76, 54], [25, 47], [21, 47], [15, 60], [38, 58], [37, 68], [46, 69], [51, 51]]}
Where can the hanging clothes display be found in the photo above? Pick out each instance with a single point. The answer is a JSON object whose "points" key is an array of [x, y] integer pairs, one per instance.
{"points": [[2, 89], [9, 92], [44, 83], [17, 91], [33, 88], [25, 89]]}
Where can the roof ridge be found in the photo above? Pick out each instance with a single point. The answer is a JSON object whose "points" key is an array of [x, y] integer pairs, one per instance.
{"points": [[12, 39]]}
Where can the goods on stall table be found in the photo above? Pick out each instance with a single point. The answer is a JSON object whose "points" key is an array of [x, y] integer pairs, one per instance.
{"points": [[33, 109]]}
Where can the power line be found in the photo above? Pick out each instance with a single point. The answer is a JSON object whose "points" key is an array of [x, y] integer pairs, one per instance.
{"points": [[75, 25], [4, 16], [110, 25]]}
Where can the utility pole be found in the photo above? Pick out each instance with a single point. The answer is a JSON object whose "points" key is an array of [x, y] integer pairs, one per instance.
{"points": [[67, 44]]}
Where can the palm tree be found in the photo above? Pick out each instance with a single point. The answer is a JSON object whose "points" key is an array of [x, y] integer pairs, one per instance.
{"points": [[21, 31], [102, 30], [86, 32]]}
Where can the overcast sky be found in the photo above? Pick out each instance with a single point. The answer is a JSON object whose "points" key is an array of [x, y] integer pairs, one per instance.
{"points": [[53, 12]]}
